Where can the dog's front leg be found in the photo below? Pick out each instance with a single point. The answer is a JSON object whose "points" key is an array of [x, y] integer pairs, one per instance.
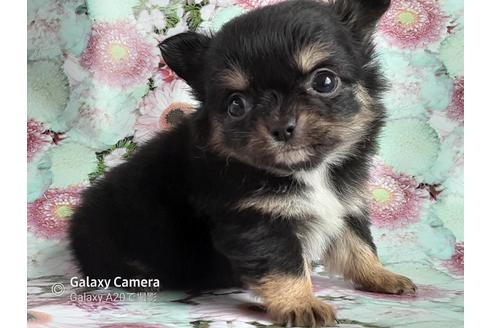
{"points": [[353, 254], [267, 256]]}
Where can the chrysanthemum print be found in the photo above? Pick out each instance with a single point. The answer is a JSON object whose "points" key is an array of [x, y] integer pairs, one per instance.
{"points": [[396, 199], [119, 55], [457, 262], [457, 106], [413, 24], [48, 216], [38, 139]]}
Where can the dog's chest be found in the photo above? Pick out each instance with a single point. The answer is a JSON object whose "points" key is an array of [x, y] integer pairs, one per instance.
{"points": [[324, 213]]}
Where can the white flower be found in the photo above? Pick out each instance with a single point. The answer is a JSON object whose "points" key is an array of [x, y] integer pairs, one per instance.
{"points": [[115, 158], [179, 28], [148, 20], [207, 12]]}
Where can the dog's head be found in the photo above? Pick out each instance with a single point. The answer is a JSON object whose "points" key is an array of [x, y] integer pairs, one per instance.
{"points": [[287, 86]]}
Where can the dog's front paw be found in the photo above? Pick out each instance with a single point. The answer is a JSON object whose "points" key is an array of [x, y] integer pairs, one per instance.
{"points": [[401, 285], [389, 283], [312, 313]]}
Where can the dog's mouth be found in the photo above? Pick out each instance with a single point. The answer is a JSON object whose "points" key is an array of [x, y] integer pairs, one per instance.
{"points": [[292, 155], [286, 159], [292, 158]]}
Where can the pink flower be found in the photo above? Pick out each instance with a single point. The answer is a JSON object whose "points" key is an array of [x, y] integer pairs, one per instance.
{"points": [[251, 4], [166, 74], [162, 109], [412, 24], [396, 200], [163, 75], [457, 107], [456, 264], [118, 55], [37, 139], [48, 216]]}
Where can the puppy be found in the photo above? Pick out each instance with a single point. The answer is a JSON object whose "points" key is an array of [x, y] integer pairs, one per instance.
{"points": [[267, 176]]}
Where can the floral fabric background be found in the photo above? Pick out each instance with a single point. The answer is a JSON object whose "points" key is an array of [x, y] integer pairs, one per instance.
{"points": [[97, 89]]}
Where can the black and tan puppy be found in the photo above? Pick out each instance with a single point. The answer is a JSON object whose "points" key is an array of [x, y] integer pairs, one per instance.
{"points": [[267, 176]]}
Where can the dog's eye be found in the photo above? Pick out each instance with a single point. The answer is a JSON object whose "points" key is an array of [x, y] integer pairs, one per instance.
{"points": [[324, 81], [237, 105]]}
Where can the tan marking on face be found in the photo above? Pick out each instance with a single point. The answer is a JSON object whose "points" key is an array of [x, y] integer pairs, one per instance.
{"points": [[366, 116], [363, 97], [216, 139], [260, 139], [234, 78], [356, 260], [312, 123], [217, 144], [310, 56], [290, 299], [358, 125], [309, 123], [347, 132]]}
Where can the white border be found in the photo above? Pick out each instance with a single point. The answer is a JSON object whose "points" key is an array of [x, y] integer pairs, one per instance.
{"points": [[478, 138], [13, 160]]}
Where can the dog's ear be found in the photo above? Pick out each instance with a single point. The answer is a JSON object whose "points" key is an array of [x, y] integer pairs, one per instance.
{"points": [[361, 16], [184, 53]]}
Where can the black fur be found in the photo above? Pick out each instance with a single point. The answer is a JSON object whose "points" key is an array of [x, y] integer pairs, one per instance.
{"points": [[168, 212]]}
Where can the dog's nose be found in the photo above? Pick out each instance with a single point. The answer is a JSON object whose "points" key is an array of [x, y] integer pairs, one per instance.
{"points": [[284, 132]]}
